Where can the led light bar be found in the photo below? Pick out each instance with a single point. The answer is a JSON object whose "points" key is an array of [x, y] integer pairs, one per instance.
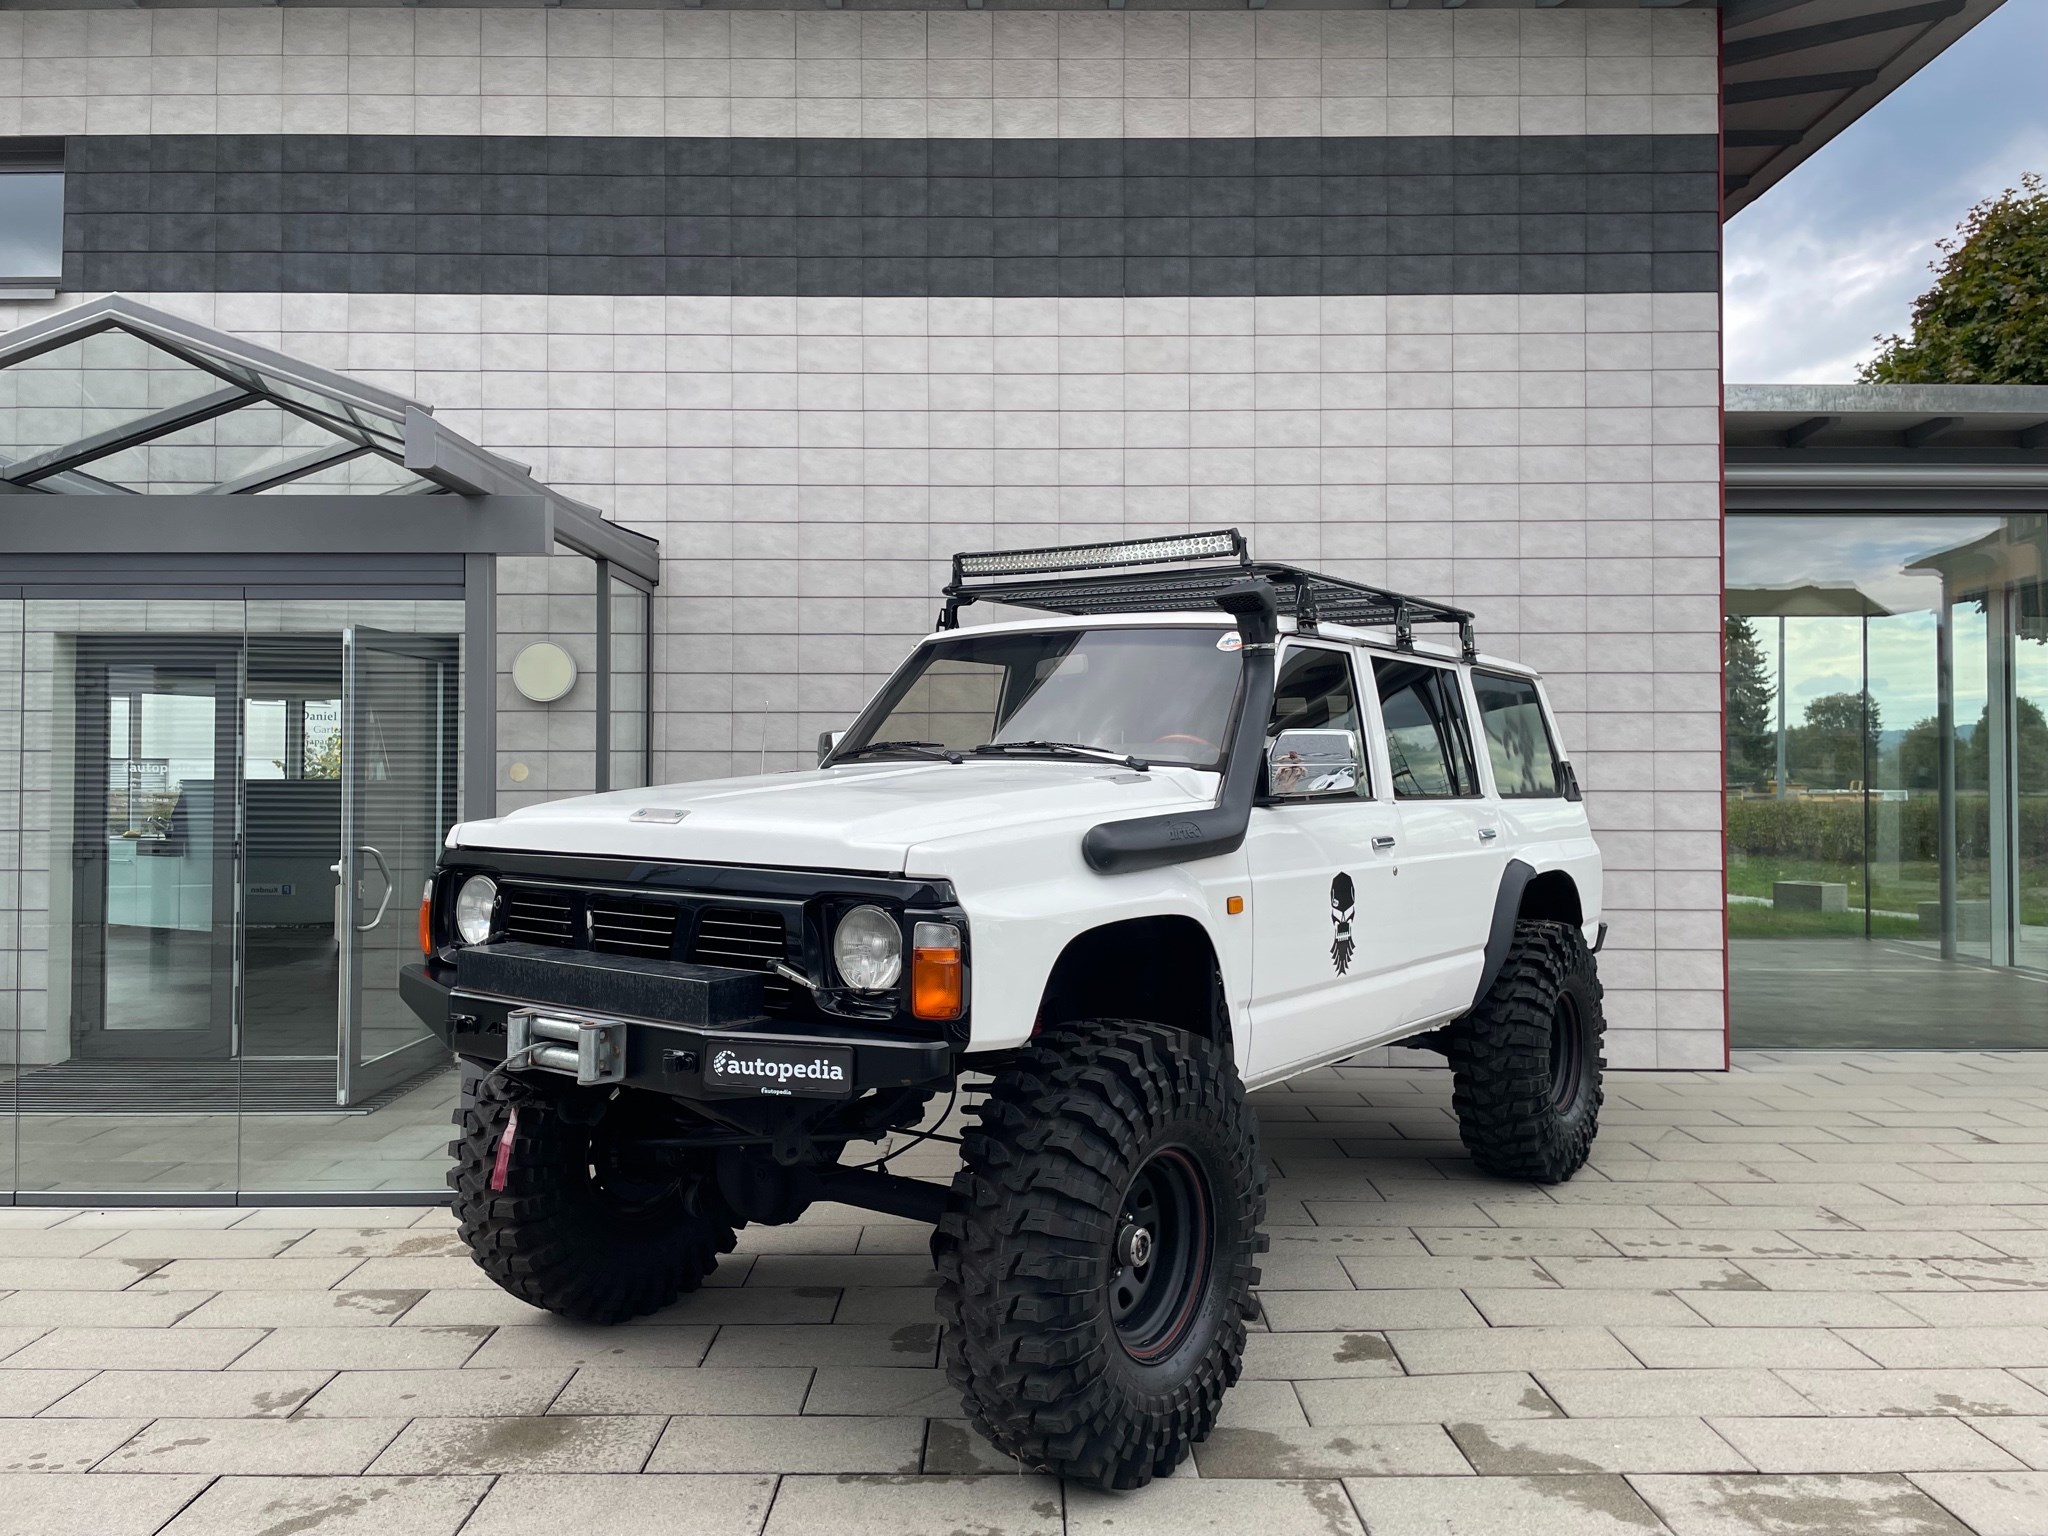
{"points": [[1224, 544]]}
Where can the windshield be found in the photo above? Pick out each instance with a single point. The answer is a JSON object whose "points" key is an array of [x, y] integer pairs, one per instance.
{"points": [[1163, 695]]}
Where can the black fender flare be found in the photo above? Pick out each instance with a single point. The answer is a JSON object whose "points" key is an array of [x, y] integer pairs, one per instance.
{"points": [[1500, 938]]}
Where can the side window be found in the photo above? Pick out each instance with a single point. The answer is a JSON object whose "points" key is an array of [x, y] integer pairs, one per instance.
{"points": [[1517, 737], [1428, 745], [1313, 742]]}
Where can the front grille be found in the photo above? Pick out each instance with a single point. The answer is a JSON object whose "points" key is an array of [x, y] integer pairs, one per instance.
{"points": [[623, 926], [746, 939], [535, 915]]}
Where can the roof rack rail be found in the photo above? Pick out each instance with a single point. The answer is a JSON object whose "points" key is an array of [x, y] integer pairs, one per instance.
{"points": [[1180, 573]]}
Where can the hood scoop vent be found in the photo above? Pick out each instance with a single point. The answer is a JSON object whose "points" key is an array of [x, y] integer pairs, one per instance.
{"points": [[659, 814]]}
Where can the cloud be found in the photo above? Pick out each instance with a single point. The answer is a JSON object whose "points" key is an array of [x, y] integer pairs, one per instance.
{"points": [[1835, 254]]}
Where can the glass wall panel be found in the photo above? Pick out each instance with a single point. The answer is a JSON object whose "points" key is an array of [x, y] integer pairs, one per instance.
{"points": [[12, 839], [629, 686], [1884, 861], [546, 748]]}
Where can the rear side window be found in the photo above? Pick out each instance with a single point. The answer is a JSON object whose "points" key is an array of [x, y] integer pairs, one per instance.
{"points": [[1517, 737], [1428, 743]]}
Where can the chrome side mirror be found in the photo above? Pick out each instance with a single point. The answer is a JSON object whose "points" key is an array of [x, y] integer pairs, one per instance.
{"points": [[1312, 762], [827, 740]]}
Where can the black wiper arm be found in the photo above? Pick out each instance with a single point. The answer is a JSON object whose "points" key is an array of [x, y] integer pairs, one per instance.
{"points": [[1067, 749], [928, 748]]}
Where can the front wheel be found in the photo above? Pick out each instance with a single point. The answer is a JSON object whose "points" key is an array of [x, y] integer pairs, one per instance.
{"points": [[556, 1208], [1526, 1060], [1099, 1249]]}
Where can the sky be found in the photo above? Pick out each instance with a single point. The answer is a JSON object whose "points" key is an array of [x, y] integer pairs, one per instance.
{"points": [[1835, 254]]}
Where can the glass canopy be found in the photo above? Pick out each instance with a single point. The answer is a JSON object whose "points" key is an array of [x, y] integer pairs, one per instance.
{"points": [[114, 398]]}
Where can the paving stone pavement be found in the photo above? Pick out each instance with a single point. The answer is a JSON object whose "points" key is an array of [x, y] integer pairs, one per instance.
{"points": [[1808, 1296]]}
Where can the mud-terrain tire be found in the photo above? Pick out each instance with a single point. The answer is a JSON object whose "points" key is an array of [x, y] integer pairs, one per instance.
{"points": [[1079, 1347], [1527, 1059], [561, 1234]]}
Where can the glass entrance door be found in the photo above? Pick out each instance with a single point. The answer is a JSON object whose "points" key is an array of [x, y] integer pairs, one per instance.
{"points": [[399, 772], [153, 849]]}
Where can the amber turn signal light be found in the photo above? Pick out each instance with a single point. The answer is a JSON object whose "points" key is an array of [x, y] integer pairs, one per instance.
{"points": [[427, 920], [938, 979]]}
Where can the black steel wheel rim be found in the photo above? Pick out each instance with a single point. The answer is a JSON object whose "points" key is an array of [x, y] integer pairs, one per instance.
{"points": [[1567, 1051], [1161, 1255]]}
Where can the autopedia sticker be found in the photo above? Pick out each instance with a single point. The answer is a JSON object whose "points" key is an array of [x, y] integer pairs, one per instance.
{"points": [[1230, 640]]}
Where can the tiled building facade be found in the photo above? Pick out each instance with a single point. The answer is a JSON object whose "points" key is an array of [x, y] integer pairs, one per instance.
{"points": [[1427, 297]]}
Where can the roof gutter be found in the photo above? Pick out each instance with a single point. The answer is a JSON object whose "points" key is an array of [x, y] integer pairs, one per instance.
{"points": [[1774, 475]]}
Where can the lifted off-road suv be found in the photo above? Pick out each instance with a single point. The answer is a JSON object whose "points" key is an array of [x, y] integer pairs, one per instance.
{"points": [[1211, 823]]}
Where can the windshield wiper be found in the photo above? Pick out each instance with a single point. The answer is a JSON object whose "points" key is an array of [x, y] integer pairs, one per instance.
{"points": [[937, 749], [1067, 749]]}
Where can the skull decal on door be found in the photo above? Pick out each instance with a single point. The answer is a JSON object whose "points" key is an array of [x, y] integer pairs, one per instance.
{"points": [[1343, 907]]}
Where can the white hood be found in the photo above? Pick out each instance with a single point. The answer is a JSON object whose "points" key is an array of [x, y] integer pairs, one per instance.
{"points": [[863, 816]]}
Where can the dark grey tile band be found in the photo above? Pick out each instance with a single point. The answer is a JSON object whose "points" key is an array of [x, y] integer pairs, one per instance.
{"points": [[893, 217]]}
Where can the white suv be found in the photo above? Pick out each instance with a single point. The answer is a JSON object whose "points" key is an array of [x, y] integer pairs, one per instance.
{"points": [[1211, 823]]}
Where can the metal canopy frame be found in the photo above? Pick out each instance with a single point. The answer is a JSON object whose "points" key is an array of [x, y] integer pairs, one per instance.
{"points": [[475, 502]]}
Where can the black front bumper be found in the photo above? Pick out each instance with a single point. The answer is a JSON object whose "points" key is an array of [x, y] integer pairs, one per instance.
{"points": [[677, 1017]]}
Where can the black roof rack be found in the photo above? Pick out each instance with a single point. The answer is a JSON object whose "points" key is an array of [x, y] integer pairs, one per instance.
{"points": [[1179, 573]]}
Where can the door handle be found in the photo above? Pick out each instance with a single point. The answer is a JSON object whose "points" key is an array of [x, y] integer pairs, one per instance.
{"points": [[384, 870], [1382, 844], [1488, 834]]}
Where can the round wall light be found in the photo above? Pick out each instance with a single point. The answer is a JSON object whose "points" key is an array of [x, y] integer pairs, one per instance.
{"points": [[543, 672]]}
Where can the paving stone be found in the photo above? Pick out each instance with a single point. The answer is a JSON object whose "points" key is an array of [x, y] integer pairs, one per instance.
{"points": [[252, 1274], [78, 1274], [1609, 1217], [1016, 1505], [61, 1445], [136, 1349], [572, 1344], [53, 1242], [342, 1217], [758, 1304], [1968, 1392], [623, 1506], [2026, 1439], [360, 1349], [885, 1306], [1672, 1394], [1379, 1450], [1304, 1507], [1255, 1405], [1850, 1275], [348, 1308], [1523, 1506], [1754, 1217], [1534, 1242], [255, 1447], [426, 1274], [1767, 1348], [1799, 1309], [1317, 1356], [1902, 1348], [1997, 1274], [1897, 1245], [98, 1309], [1992, 1503], [654, 1389], [1737, 1505], [1863, 1445], [195, 1243], [887, 1393], [26, 1392], [90, 1504], [1547, 1447], [1393, 1274], [497, 1392], [913, 1344], [1434, 1351], [1645, 1274], [332, 1506], [1367, 1311], [1425, 1399], [190, 1394], [556, 1443], [378, 1243], [840, 1269], [1566, 1309], [1976, 1309], [712, 1443]]}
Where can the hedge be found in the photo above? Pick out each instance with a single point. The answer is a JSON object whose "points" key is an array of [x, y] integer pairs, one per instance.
{"points": [[1831, 831]]}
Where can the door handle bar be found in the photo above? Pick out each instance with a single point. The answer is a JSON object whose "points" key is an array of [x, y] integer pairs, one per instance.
{"points": [[1488, 834], [1382, 844], [384, 870]]}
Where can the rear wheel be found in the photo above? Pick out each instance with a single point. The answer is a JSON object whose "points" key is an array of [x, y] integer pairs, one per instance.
{"points": [[1527, 1062], [557, 1210], [1098, 1254]]}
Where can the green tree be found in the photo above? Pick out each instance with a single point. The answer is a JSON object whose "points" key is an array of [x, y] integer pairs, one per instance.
{"points": [[1985, 320], [1751, 749], [1829, 750]]}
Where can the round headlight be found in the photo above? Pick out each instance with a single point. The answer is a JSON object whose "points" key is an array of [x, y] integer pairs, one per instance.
{"points": [[868, 949], [475, 905]]}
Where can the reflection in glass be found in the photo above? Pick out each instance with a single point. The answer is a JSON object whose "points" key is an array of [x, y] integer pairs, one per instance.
{"points": [[1882, 839]]}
